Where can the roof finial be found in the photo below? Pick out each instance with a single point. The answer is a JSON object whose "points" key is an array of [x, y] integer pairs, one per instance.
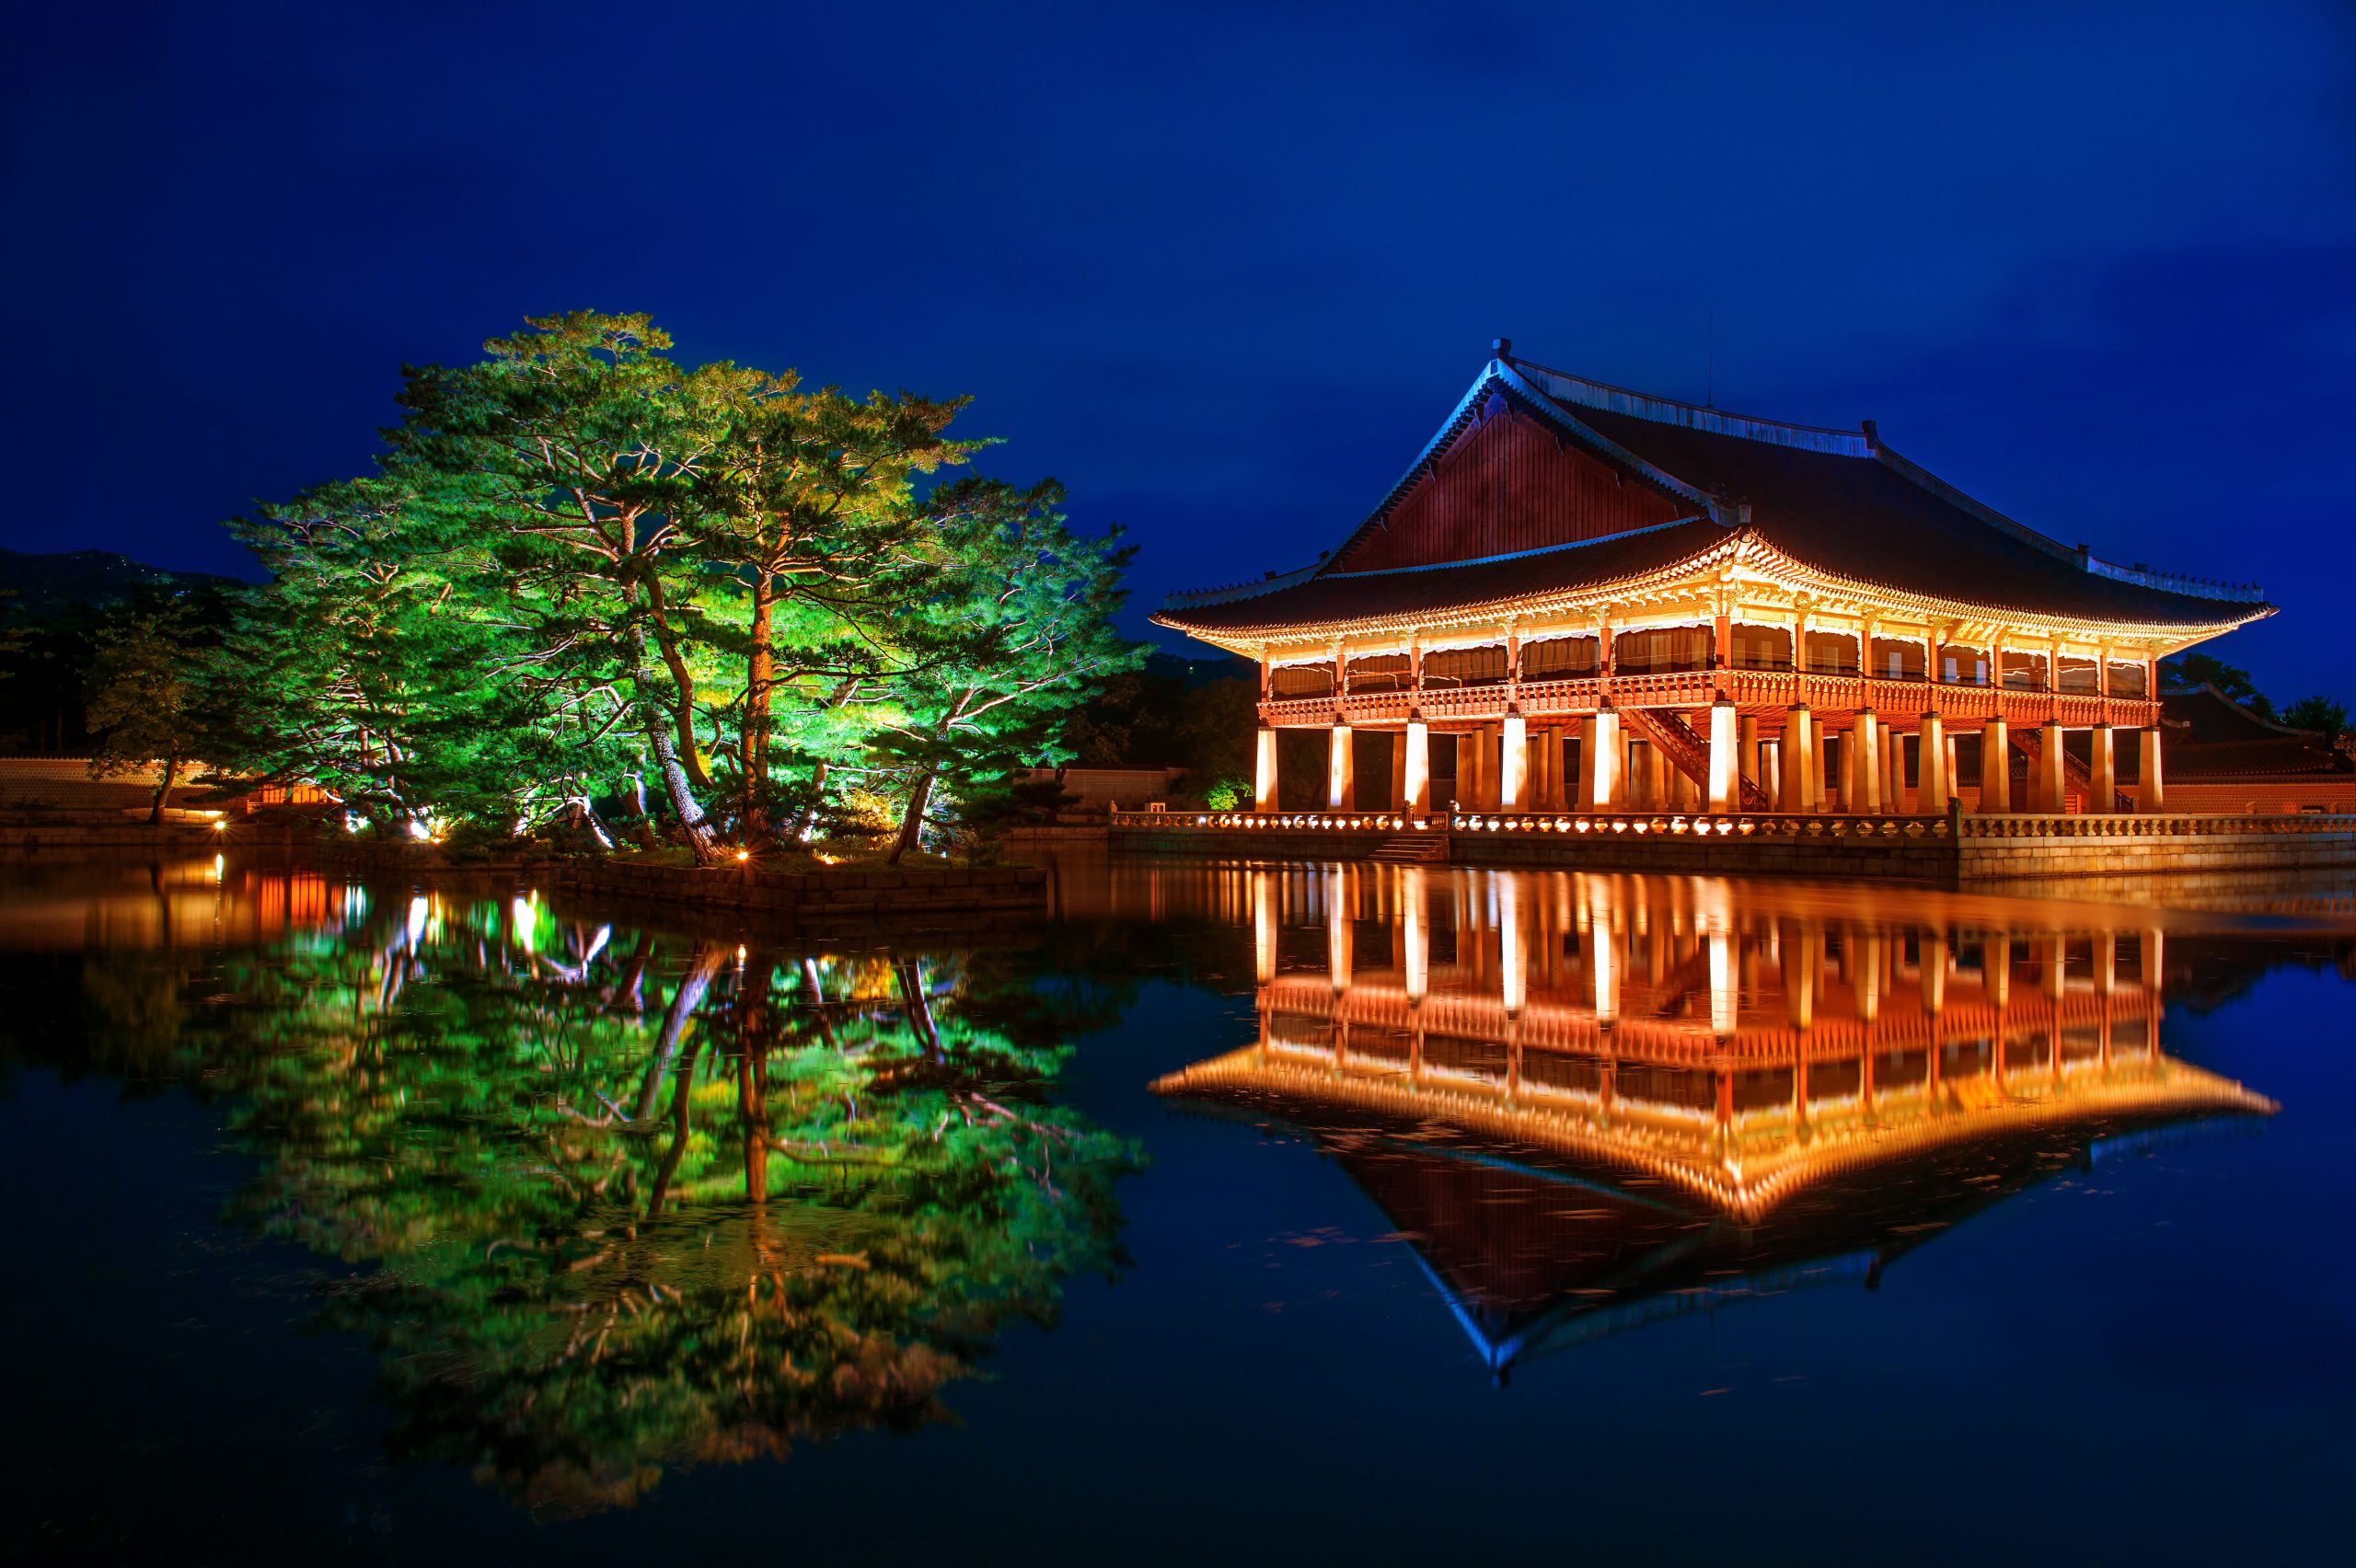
{"points": [[1501, 348]]}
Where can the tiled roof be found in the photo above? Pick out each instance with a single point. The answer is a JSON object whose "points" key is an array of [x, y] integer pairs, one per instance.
{"points": [[1861, 517], [1837, 502], [1372, 595]]}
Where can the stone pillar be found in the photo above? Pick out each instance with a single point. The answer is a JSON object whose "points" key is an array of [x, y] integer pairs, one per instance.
{"points": [[2049, 776], [2150, 794], [1487, 744], [1845, 772], [1513, 764], [1263, 790], [1866, 731], [1341, 931], [1398, 796], [1750, 753], [1588, 800], [1797, 796], [1726, 790], [1995, 768], [1608, 792], [1340, 781], [1513, 945], [2102, 795], [1954, 774], [1771, 772], [1893, 772], [1415, 780], [1550, 745], [1931, 764], [1415, 932], [1264, 927], [1657, 796]]}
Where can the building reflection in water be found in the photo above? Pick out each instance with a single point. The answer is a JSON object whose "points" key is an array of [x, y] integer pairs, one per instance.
{"points": [[1590, 1100]]}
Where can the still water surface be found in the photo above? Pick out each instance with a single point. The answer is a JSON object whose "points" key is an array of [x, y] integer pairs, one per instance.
{"points": [[1242, 1213]]}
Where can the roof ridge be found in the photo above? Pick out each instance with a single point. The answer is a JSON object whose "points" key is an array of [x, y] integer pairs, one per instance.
{"points": [[1501, 375], [1585, 392]]}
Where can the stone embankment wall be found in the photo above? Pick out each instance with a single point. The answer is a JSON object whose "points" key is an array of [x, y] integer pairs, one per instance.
{"points": [[835, 897], [50, 837], [823, 897], [1959, 852], [2207, 845]]}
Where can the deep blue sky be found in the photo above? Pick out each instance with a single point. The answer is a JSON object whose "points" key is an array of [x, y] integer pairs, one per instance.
{"points": [[1222, 269]]}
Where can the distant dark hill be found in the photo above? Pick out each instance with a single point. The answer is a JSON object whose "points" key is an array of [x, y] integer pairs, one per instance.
{"points": [[60, 601], [46, 586]]}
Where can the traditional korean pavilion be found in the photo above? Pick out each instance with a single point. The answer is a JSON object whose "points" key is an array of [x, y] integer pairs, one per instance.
{"points": [[1600, 600]]}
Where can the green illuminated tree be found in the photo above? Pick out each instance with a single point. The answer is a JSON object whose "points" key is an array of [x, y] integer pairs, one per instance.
{"points": [[1014, 630]]}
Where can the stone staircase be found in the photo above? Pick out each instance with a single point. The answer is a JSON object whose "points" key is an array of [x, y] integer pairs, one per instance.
{"points": [[1422, 849], [2076, 777], [1688, 752]]}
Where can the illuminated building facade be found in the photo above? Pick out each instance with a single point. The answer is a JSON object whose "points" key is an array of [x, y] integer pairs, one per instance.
{"points": [[1584, 598]]}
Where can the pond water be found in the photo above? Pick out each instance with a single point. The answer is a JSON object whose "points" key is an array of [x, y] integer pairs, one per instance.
{"points": [[1242, 1213]]}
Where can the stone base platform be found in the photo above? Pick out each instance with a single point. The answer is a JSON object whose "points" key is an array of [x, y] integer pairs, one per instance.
{"points": [[1951, 852]]}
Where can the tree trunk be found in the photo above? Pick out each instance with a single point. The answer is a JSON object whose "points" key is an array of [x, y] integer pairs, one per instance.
{"points": [[682, 681], [761, 674], [163, 792], [683, 799], [703, 964], [808, 823], [912, 824], [675, 781]]}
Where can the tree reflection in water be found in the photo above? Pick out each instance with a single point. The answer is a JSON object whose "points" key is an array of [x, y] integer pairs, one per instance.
{"points": [[635, 1201]]}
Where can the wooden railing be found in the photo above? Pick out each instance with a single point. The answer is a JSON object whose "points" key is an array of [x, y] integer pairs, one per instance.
{"points": [[1900, 700]]}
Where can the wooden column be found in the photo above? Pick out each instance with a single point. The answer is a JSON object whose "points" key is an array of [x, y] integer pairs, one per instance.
{"points": [[1996, 767], [1415, 783], [1725, 790], [1798, 796], [2102, 794], [1513, 762], [1604, 772], [2151, 793], [1866, 783], [1589, 800], [1341, 781], [1931, 766]]}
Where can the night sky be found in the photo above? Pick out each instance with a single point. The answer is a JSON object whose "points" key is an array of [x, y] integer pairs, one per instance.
{"points": [[1222, 269]]}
